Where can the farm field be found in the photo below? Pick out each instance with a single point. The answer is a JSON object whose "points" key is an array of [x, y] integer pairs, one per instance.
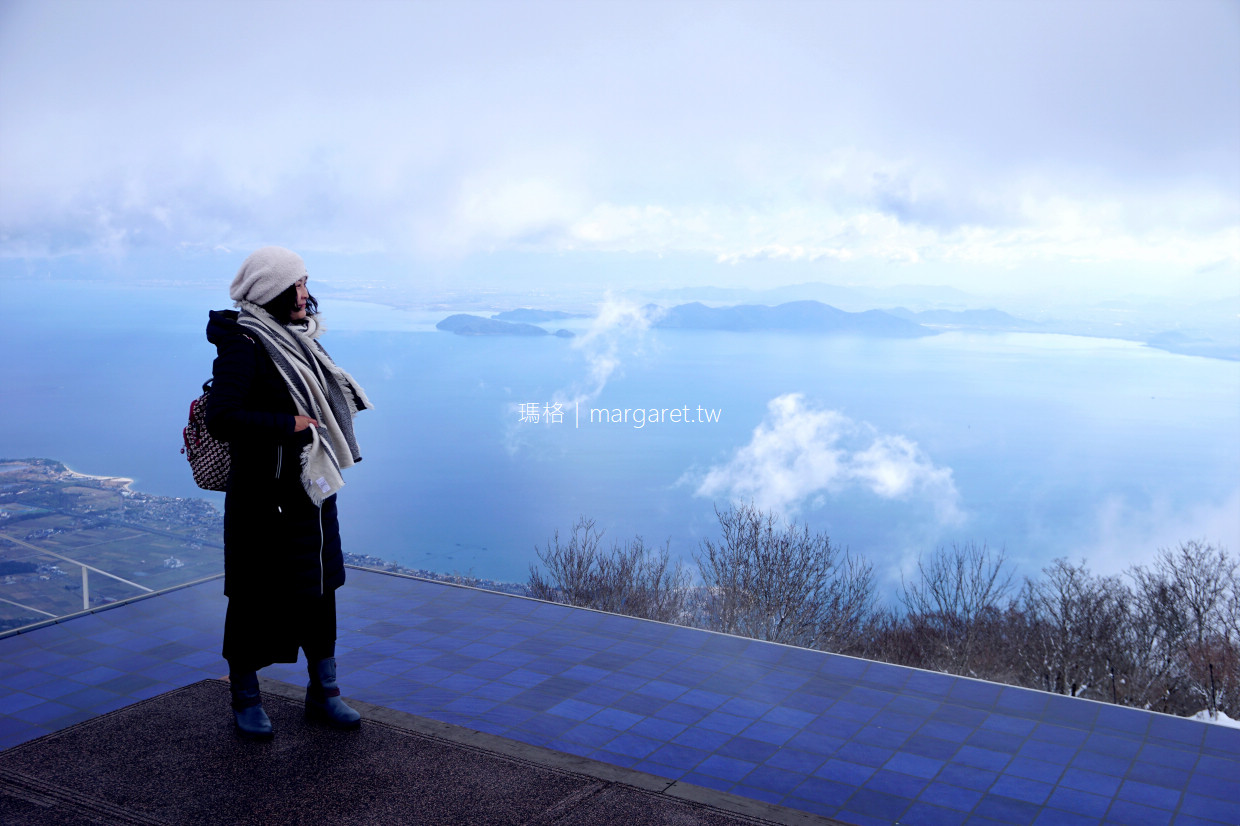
{"points": [[56, 524]]}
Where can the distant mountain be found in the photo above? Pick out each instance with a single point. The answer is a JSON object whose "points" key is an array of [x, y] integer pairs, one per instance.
{"points": [[966, 319], [804, 316], [464, 324], [1174, 341], [531, 316], [834, 295]]}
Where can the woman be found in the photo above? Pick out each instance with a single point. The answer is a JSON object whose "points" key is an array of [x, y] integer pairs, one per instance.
{"points": [[286, 411]]}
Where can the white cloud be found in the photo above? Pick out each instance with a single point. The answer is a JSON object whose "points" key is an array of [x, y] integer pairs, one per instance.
{"points": [[507, 210], [617, 330], [799, 453], [611, 226]]}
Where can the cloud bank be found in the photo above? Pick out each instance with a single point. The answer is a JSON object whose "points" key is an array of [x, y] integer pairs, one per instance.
{"points": [[1127, 533], [799, 454], [1033, 133]]}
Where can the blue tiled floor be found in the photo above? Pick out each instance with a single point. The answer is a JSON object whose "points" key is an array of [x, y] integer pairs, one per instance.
{"points": [[864, 742]]}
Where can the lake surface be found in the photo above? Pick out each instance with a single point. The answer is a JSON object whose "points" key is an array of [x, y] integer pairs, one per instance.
{"points": [[1045, 445]]}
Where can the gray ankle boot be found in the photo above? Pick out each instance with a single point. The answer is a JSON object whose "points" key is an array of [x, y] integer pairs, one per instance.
{"points": [[323, 697], [247, 704]]}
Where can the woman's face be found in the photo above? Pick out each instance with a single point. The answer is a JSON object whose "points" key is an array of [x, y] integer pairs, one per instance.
{"points": [[299, 310]]}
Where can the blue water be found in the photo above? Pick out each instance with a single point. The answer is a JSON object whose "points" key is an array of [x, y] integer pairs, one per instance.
{"points": [[1045, 445]]}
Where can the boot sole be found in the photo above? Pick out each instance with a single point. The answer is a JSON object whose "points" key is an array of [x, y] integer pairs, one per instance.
{"points": [[318, 715], [255, 736]]}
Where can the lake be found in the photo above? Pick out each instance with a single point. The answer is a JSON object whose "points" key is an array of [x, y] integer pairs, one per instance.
{"points": [[1045, 445]]}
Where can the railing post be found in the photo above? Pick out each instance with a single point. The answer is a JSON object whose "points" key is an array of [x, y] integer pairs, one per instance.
{"points": [[85, 589]]}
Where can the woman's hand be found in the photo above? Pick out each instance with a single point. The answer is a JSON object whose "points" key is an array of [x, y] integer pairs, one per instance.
{"points": [[300, 423]]}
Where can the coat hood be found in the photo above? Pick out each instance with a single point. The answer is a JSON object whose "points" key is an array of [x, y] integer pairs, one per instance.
{"points": [[222, 324]]}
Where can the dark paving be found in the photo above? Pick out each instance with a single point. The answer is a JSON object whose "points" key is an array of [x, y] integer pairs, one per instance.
{"points": [[863, 742], [176, 759]]}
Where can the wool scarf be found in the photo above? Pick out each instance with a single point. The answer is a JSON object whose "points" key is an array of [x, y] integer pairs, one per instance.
{"points": [[320, 390]]}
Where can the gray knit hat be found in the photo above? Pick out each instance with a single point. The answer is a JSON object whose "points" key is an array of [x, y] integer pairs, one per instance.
{"points": [[267, 273]]}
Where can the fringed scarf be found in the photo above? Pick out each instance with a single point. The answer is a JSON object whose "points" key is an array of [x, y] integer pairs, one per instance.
{"points": [[320, 390]]}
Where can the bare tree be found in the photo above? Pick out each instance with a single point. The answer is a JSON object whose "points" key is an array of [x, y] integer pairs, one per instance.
{"points": [[891, 638], [1203, 578], [1075, 624], [782, 584], [1229, 693], [957, 595], [1187, 605], [629, 578], [1154, 675], [571, 568]]}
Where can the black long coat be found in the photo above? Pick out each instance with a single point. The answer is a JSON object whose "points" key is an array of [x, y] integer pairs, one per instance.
{"points": [[277, 543]]}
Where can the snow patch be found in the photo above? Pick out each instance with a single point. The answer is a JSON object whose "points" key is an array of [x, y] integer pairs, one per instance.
{"points": [[1218, 718]]}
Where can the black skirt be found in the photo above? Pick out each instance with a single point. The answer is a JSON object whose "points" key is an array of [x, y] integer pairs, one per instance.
{"points": [[261, 630]]}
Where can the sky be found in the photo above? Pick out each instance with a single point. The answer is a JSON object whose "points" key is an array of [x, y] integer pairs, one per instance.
{"points": [[1023, 147]]}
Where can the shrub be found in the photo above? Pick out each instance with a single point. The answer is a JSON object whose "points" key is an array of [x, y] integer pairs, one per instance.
{"points": [[629, 578], [782, 584]]}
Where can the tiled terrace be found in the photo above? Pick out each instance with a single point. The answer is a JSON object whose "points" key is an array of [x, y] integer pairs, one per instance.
{"points": [[864, 742]]}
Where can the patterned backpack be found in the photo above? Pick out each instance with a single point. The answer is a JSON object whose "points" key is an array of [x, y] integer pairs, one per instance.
{"points": [[208, 456]]}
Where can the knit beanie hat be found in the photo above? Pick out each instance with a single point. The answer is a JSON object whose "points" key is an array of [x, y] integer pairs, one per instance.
{"points": [[267, 273]]}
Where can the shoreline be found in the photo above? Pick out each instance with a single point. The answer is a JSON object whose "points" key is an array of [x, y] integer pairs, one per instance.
{"points": [[124, 480]]}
